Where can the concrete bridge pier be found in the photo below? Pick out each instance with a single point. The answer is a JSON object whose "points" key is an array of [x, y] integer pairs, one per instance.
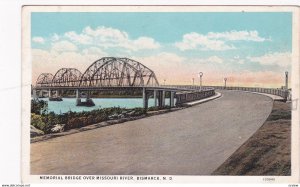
{"points": [[34, 95], [89, 101], [78, 99], [56, 93], [145, 98], [158, 96], [155, 97], [54, 97], [41, 94], [160, 99], [172, 96], [163, 97], [87, 95]]}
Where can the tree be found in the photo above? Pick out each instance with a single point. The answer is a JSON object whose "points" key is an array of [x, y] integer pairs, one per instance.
{"points": [[39, 106]]}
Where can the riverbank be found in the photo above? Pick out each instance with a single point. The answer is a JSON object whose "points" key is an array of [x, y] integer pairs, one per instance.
{"points": [[102, 124], [268, 151]]}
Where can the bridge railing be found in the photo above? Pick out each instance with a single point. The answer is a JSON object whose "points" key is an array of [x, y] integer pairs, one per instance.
{"points": [[170, 87], [273, 91], [188, 87], [189, 96]]}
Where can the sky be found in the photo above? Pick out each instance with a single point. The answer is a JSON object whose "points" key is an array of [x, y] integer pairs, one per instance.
{"points": [[248, 48]]}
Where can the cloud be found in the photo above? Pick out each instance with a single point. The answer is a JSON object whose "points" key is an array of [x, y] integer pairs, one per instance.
{"points": [[64, 46], [81, 49], [79, 38], [105, 34], [106, 37], [94, 51], [241, 61], [55, 37], [145, 43], [237, 59], [39, 40], [237, 36], [214, 59], [50, 61], [201, 42], [216, 41], [279, 59]]}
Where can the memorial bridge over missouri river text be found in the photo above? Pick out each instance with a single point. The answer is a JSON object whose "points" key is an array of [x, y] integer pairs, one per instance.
{"points": [[124, 74]]}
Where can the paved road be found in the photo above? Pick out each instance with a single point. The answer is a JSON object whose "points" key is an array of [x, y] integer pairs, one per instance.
{"points": [[193, 141]]}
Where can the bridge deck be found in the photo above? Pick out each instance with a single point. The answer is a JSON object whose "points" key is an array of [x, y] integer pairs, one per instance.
{"points": [[117, 88]]}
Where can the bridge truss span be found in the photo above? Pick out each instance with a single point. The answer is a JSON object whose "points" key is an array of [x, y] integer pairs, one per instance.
{"points": [[110, 71], [44, 80], [66, 77]]}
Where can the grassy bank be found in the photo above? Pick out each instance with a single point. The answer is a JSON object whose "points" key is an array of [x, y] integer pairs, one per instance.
{"points": [[48, 122], [268, 151]]}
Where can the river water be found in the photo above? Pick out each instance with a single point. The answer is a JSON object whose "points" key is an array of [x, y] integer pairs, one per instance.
{"points": [[69, 104]]}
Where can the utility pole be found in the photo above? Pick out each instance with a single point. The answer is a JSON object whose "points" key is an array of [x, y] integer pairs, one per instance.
{"points": [[286, 80], [200, 75]]}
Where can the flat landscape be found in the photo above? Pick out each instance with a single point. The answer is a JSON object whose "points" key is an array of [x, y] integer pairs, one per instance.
{"points": [[192, 141]]}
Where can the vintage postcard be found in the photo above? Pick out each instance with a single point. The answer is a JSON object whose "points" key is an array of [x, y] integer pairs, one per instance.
{"points": [[160, 94]]}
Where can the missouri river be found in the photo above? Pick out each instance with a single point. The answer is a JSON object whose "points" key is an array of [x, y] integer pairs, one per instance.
{"points": [[69, 104]]}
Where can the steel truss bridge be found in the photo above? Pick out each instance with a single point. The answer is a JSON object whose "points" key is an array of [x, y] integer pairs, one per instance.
{"points": [[115, 74], [119, 74]]}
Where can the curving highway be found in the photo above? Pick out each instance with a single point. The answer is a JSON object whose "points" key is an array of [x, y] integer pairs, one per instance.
{"points": [[192, 141]]}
